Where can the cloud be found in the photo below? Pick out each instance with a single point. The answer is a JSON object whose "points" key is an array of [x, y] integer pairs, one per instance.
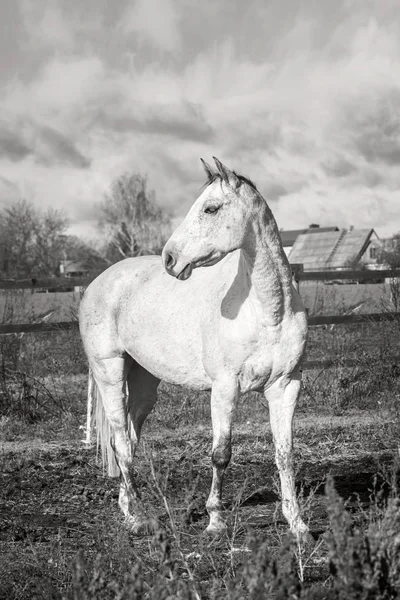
{"points": [[181, 121], [11, 145], [9, 191], [57, 147], [377, 129], [303, 100], [155, 22], [20, 138], [274, 191], [338, 167], [61, 92], [56, 25], [45, 25]]}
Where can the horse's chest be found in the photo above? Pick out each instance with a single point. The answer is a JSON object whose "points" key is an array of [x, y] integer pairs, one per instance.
{"points": [[272, 355], [255, 372]]}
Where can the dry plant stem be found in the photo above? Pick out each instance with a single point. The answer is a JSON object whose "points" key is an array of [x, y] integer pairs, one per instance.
{"points": [[174, 528], [238, 499], [300, 554]]}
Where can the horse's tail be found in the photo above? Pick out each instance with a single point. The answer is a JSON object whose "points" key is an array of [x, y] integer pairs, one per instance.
{"points": [[103, 428]]}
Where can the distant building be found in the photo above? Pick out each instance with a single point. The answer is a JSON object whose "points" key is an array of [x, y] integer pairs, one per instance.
{"points": [[82, 268], [289, 237], [336, 249], [69, 268]]}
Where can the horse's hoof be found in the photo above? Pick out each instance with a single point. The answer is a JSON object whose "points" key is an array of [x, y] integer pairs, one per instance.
{"points": [[138, 526], [216, 531]]}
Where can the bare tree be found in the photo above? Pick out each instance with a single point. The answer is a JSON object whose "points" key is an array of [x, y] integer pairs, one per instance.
{"points": [[84, 252], [16, 223], [33, 242], [50, 242], [130, 219], [390, 253]]}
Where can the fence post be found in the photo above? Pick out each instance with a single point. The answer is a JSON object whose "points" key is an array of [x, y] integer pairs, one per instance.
{"points": [[91, 391], [296, 269]]}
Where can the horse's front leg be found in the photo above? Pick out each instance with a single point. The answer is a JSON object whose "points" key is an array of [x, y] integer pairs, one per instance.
{"points": [[223, 400], [282, 397]]}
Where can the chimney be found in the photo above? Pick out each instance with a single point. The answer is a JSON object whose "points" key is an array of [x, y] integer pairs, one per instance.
{"points": [[62, 266]]}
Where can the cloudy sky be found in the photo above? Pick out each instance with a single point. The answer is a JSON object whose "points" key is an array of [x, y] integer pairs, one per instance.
{"points": [[302, 97]]}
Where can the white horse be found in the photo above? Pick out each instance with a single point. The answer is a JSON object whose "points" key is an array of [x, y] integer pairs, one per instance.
{"points": [[237, 326]]}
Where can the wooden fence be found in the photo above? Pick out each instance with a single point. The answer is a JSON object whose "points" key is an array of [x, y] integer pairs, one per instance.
{"points": [[63, 283]]}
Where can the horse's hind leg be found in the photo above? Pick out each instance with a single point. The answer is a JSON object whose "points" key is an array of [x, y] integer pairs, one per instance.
{"points": [[142, 389], [111, 376], [142, 392]]}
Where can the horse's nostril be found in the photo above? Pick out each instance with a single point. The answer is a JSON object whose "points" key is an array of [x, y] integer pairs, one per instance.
{"points": [[169, 261]]}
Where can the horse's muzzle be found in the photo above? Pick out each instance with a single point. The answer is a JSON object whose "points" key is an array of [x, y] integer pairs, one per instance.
{"points": [[173, 268]]}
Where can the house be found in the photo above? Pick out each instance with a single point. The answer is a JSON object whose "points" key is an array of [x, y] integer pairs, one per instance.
{"points": [[289, 237], [80, 268], [337, 249], [70, 268]]}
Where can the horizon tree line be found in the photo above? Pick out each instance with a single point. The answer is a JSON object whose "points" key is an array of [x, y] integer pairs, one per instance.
{"points": [[34, 242]]}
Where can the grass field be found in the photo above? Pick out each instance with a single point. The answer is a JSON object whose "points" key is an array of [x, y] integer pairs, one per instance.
{"points": [[23, 306], [61, 531], [320, 298]]}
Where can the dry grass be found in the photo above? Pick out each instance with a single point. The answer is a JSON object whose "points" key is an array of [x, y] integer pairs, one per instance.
{"points": [[320, 298], [58, 501], [61, 533], [22, 306]]}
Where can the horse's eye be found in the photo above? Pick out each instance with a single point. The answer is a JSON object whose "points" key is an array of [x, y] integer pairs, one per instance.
{"points": [[210, 210]]}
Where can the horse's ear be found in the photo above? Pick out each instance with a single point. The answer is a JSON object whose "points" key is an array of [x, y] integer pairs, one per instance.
{"points": [[229, 177], [208, 169]]}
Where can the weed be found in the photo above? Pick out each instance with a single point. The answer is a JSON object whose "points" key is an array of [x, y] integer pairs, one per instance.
{"points": [[57, 500]]}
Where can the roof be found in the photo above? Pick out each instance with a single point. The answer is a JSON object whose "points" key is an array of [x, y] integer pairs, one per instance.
{"points": [[330, 250], [289, 237], [76, 267]]}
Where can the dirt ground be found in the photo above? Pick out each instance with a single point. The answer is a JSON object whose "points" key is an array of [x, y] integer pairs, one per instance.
{"points": [[56, 501], [57, 508]]}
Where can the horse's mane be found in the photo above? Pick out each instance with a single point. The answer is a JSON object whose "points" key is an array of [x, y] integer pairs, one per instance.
{"points": [[215, 176]]}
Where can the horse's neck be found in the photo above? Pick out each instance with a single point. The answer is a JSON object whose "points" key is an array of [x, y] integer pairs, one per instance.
{"points": [[270, 274]]}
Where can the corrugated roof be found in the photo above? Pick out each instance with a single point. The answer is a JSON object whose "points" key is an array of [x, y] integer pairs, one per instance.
{"points": [[314, 250], [350, 248], [289, 237], [330, 250]]}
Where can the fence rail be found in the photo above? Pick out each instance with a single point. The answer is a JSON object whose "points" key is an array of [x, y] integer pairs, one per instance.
{"points": [[19, 328], [358, 276], [353, 275], [62, 283], [56, 283], [312, 322], [52, 283], [352, 319]]}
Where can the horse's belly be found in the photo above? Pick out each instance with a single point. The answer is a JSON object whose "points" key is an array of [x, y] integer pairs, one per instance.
{"points": [[169, 357], [161, 328]]}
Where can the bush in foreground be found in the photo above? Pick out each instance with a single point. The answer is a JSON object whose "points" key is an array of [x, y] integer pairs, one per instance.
{"points": [[359, 563]]}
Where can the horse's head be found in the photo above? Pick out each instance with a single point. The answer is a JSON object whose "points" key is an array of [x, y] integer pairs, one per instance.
{"points": [[216, 224]]}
